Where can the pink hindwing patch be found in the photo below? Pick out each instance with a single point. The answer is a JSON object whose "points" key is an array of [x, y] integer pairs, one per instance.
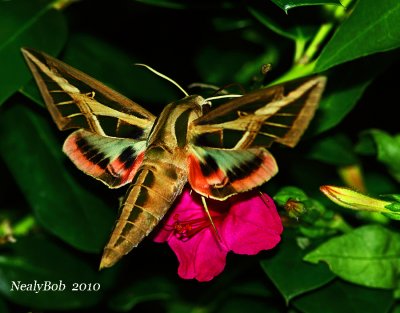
{"points": [[220, 173], [114, 161]]}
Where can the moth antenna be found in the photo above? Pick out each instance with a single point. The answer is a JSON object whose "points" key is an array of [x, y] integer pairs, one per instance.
{"points": [[163, 76], [203, 200], [239, 85], [208, 86], [219, 90], [223, 96]]}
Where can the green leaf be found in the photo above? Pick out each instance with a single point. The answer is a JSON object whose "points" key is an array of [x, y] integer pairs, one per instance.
{"points": [[341, 297], [289, 192], [387, 148], [395, 197], [166, 3], [337, 102], [371, 27], [37, 259], [346, 84], [288, 263], [290, 4], [336, 150], [225, 23], [396, 308], [296, 33], [256, 288], [379, 183], [182, 4], [255, 305], [145, 290], [62, 204], [32, 23], [368, 256], [366, 145]]}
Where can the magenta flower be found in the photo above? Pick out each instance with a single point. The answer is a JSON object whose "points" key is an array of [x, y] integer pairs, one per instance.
{"points": [[246, 224]]}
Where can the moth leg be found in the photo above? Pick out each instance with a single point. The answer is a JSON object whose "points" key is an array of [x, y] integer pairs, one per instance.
{"points": [[203, 200], [220, 134], [91, 94]]}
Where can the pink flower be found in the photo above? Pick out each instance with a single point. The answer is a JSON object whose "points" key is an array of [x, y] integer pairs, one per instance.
{"points": [[245, 223]]}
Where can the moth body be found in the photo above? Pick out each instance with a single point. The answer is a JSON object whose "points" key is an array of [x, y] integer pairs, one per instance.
{"points": [[153, 190], [158, 181], [219, 153]]}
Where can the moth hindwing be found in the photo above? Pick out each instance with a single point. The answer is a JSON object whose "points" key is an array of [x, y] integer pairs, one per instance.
{"points": [[220, 153]]}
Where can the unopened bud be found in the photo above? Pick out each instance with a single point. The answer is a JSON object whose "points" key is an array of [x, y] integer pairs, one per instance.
{"points": [[294, 208], [354, 200]]}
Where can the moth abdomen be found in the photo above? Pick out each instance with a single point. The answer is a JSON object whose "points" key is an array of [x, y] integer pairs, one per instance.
{"points": [[148, 199]]}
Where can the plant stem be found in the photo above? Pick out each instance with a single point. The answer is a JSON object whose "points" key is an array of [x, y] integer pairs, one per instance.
{"points": [[299, 50], [304, 63], [322, 33], [325, 29], [24, 226]]}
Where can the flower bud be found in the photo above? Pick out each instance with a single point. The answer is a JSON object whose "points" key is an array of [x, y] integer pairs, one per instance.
{"points": [[294, 208], [354, 200]]}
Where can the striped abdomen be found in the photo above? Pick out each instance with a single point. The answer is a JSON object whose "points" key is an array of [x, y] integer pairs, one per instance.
{"points": [[154, 188]]}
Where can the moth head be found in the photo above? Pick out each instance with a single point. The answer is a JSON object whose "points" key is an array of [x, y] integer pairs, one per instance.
{"points": [[205, 106]]}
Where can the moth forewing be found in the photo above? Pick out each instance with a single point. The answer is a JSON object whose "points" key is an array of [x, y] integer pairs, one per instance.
{"points": [[279, 113], [76, 100], [309, 95]]}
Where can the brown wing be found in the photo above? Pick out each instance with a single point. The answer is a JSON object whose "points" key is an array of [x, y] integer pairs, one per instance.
{"points": [[76, 100], [279, 113]]}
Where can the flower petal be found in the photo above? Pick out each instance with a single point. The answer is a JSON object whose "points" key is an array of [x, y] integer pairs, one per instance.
{"points": [[252, 225], [162, 234], [247, 224], [201, 257], [185, 208]]}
